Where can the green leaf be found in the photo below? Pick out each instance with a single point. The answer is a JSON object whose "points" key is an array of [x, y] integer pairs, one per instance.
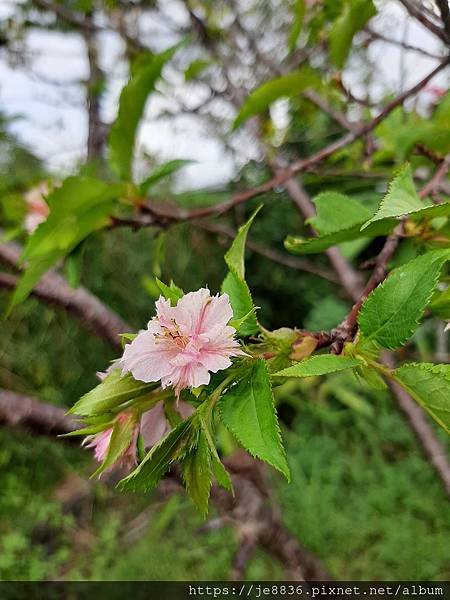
{"points": [[176, 445], [235, 256], [131, 108], [238, 324], [334, 210], [242, 305], [300, 245], [170, 292], [320, 364], [196, 68], [353, 18], [401, 198], [391, 313], [235, 285], [219, 471], [429, 385], [121, 439], [113, 391], [79, 207], [299, 14], [196, 470], [248, 411], [165, 170], [440, 305], [286, 86]]}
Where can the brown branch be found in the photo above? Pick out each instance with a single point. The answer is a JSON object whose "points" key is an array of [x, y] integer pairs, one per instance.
{"points": [[416, 11], [161, 217], [376, 35], [96, 129], [434, 184], [28, 413], [79, 302], [283, 259], [67, 15], [445, 15], [81, 23]]}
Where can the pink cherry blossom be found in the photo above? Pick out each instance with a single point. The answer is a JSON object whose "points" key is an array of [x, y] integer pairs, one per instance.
{"points": [[153, 427], [100, 443], [37, 207], [184, 343]]}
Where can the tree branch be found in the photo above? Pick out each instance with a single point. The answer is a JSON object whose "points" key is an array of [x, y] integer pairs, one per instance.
{"points": [[28, 413], [415, 11], [79, 302]]}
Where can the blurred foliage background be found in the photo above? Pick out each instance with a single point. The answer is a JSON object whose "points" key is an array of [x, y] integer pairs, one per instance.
{"points": [[362, 496]]}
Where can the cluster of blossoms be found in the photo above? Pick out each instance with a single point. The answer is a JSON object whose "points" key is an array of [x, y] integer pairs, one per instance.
{"points": [[180, 348]]}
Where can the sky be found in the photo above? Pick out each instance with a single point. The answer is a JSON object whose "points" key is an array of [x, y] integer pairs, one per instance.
{"points": [[52, 121]]}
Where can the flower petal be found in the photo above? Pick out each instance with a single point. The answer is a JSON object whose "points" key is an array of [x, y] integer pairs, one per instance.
{"points": [[190, 310], [154, 425], [148, 357], [217, 313]]}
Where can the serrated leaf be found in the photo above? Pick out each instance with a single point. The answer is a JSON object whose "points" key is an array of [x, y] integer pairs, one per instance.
{"points": [[218, 469], [122, 437], [196, 470], [248, 411], [238, 324], [299, 14], [165, 170], [285, 86], [241, 303], [113, 391], [391, 313], [131, 108], [334, 210], [353, 18], [235, 255], [157, 462], [170, 292], [320, 364], [429, 385], [300, 245], [401, 198], [235, 285], [79, 207]]}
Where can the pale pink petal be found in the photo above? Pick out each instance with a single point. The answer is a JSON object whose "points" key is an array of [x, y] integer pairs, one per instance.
{"points": [[165, 313], [154, 425], [32, 221], [115, 364], [217, 313], [100, 443], [185, 409], [183, 344], [214, 361], [197, 375], [147, 357], [190, 309]]}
